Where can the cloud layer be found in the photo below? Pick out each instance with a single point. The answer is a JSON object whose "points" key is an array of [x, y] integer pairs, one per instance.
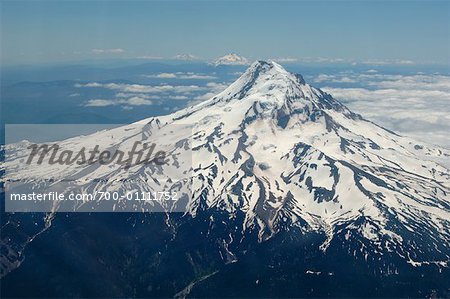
{"points": [[139, 88], [108, 51], [180, 75], [132, 101], [416, 105], [130, 95]]}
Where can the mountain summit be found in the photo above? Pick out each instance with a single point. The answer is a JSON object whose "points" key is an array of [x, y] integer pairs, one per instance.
{"points": [[273, 87], [273, 157], [231, 59]]}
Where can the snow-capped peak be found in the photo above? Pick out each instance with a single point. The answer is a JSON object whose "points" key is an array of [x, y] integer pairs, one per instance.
{"points": [[264, 76], [231, 59], [265, 68], [271, 87]]}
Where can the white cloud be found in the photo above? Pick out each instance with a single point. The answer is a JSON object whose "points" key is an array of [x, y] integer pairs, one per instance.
{"points": [[197, 76], [133, 101], [162, 75], [93, 84], [181, 75], [142, 95], [323, 60], [334, 79], [138, 101], [150, 57], [388, 62], [139, 88], [138, 94], [374, 62], [99, 103], [427, 82], [108, 51], [179, 97], [284, 59], [414, 105]]}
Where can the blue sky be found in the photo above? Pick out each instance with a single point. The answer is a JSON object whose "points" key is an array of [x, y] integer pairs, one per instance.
{"points": [[52, 31]]}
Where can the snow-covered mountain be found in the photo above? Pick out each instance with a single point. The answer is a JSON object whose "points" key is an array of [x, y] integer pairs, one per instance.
{"points": [[231, 59], [276, 155], [285, 152]]}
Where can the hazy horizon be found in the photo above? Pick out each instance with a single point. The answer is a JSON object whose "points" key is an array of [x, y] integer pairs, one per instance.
{"points": [[398, 32]]}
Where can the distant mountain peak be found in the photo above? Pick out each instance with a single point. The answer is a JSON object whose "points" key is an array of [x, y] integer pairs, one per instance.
{"points": [[187, 57], [231, 59]]}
